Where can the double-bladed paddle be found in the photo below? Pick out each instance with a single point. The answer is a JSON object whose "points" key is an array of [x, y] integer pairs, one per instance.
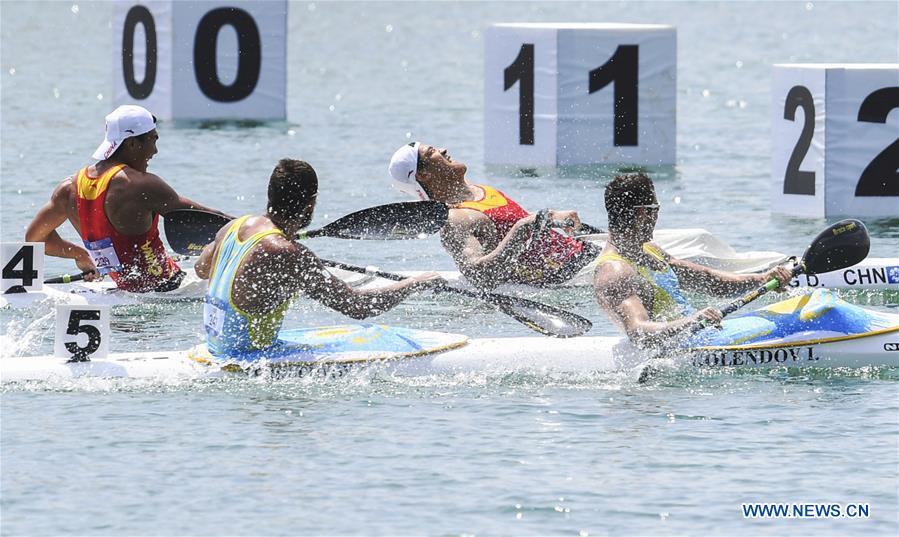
{"points": [[189, 230], [840, 245], [542, 318]]}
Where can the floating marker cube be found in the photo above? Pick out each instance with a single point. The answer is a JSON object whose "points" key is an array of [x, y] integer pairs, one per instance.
{"points": [[202, 60], [836, 140], [559, 94]]}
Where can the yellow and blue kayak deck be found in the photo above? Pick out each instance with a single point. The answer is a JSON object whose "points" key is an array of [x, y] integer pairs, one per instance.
{"points": [[343, 344], [819, 315]]}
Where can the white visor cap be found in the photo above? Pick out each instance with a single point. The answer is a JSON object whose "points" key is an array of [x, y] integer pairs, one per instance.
{"points": [[124, 122], [403, 165]]}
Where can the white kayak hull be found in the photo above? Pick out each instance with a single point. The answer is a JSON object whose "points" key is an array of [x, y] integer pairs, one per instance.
{"points": [[491, 356]]}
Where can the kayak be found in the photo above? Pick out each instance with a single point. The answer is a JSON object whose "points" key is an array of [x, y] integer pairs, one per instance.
{"points": [[696, 245], [828, 333]]}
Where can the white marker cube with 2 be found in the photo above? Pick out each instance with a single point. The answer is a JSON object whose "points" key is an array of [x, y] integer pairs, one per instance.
{"points": [[836, 140], [202, 60], [563, 94]]}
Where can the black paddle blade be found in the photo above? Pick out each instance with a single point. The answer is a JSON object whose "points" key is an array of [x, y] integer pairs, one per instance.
{"points": [[839, 246], [405, 220], [542, 318], [189, 230]]}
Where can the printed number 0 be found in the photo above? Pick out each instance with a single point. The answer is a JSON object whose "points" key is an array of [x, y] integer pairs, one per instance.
{"points": [[204, 57], [621, 70], [81, 354]]}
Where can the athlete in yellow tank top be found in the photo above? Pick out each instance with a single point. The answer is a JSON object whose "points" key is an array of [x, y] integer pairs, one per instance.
{"points": [[638, 284], [255, 271]]}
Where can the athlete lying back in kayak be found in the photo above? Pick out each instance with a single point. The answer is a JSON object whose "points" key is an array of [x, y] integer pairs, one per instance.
{"points": [[638, 284], [491, 238], [255, 269]]}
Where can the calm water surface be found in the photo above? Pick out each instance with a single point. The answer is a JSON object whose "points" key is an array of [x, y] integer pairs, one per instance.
{"points": [[373, 454]]}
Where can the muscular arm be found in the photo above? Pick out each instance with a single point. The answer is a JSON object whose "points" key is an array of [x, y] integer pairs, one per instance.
{"points": [[286, 268], [161, 198], [485, 269], [203, 266], [718, 282], [617, 288], [43, 229]]}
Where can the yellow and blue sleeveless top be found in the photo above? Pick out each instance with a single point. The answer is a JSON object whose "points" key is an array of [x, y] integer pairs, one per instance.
{"points": [[230, 331], [668, 301]]}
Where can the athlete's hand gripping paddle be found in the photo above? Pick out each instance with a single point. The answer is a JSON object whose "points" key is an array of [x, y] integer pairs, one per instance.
{"points": [[841, 245], [189, 230], [542, 318]]}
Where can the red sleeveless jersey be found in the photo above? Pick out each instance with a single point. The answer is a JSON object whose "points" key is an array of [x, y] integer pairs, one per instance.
{"points": [[545, 258], [136, 263]]}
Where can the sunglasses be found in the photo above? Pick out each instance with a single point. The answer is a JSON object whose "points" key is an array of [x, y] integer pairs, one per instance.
{"points": [[650, 206]]}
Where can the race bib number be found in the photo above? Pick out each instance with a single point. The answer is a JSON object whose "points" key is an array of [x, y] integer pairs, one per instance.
{"points": [[104, 255], [213, 319]]}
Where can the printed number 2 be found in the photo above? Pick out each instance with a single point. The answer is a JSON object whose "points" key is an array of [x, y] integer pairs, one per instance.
{"points": [[81, 354], [880, 177], [621, 69], [796, 181], [27, 274]]}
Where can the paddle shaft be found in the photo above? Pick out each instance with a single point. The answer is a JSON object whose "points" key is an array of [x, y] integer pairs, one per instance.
{"points": [[397, 277], [542, 318], [66, 278], [769, 286]]}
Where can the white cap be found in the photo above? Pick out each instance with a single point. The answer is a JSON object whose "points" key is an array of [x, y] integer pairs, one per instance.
{"points": [[403, 165], [124, 122]]}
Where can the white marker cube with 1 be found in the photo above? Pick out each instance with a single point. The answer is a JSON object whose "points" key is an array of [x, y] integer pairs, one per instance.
{"points": [[202, 60], [836, 140], [566, 94]]}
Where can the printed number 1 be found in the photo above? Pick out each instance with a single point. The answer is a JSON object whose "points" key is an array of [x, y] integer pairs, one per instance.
{"points": [[621, 70], [522, 70]]}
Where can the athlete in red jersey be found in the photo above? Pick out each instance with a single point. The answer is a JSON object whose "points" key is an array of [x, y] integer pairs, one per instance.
{"points": [[491, 238], [115, 206]]}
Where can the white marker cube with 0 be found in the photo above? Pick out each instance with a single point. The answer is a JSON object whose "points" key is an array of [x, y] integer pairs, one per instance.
{"points": [[567, 94], [202, 60], [22, 267], [82, 332], [836, 140]]}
